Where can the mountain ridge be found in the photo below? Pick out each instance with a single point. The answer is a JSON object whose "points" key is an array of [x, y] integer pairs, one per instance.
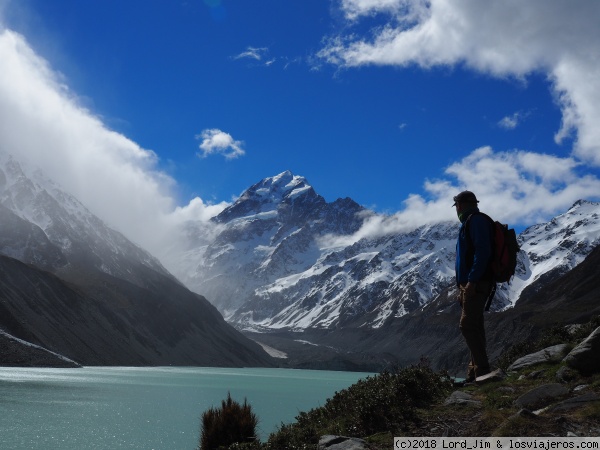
{"points": [[77, 288], [283, 274]]}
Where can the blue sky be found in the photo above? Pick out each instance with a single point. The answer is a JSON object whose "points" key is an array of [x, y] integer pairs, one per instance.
{"points": [[178, 106]]}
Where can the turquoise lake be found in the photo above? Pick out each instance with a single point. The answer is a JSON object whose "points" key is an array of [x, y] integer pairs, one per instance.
{"points": [[147, 408]]}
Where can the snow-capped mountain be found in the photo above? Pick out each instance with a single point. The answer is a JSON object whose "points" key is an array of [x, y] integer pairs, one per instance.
{"points": [[360, 285], [269, 265], [280, 258], [73, 286], [47, 227], [269, 233], [551, 249]]}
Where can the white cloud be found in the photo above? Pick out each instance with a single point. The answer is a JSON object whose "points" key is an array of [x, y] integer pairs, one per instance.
{"points": [[510, 122], [43, 122], [198, 210], [257, 53], [497, 37], [215, 141], [522, 187], [515, 187], [354, 9]]}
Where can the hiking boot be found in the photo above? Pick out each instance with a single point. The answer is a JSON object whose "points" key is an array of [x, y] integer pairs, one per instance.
{"points": [[481, 373], [471, 374]]}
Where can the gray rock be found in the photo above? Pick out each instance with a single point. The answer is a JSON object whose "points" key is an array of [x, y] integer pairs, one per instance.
{"points": [[550, 354], [461, 398], [565, 374], [525, 413], [536, 374], [576, 402], [495, 375], [586, 356], [330, 442], [506, 389], [541, 394]]}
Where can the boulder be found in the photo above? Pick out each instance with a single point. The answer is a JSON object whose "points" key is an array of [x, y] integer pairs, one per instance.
{"points": [[585, 357], [540, 395], [461, 398], [495, 375], [566, 374], [576, 402], [330, 442], [550, 354]]}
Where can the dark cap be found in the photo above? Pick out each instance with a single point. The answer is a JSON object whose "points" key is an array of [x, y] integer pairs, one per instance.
{"points": [[465, 197]]}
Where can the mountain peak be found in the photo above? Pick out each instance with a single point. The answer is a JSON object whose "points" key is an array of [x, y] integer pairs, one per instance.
{"points": [[268, 195], [582, 204], [279, 185]]}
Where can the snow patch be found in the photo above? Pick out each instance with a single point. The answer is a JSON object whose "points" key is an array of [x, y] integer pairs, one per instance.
{"points": [[29, 344]]}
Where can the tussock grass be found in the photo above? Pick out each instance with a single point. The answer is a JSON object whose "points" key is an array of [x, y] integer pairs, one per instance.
{"points": [[232, 423]]}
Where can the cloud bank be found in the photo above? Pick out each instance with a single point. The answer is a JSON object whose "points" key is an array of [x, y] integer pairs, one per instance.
{"points": [[503, 39], [513, 38], [43, 122], [516, 187]]}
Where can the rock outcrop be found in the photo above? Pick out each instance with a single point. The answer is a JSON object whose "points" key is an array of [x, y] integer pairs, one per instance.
{"points": [[330, 442], [586, 356]]}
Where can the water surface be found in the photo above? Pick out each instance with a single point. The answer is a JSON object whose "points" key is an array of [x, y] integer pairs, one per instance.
{"points": [[147, 408]]}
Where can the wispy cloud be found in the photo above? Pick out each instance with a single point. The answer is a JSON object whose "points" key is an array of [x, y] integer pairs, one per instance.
{"points": [[215, 141], [44, 123], [512, 121], [494, 37], [258, 54]]}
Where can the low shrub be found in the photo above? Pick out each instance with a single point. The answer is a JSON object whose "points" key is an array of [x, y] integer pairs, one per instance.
{"points": [[381, 403], [232, 423]]}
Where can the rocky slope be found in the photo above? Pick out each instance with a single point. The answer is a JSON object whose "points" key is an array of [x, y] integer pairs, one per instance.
{"points": [[71, 285], [539, 394]]}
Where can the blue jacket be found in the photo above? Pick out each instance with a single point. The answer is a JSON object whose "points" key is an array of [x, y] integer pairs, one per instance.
{"points": [[473, 253]]}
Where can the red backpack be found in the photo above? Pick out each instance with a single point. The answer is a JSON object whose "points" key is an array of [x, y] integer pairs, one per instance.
{"points": [[504, 253]]}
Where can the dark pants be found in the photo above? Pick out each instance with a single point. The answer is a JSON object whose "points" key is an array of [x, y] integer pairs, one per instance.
{"points": [[472, 329]]}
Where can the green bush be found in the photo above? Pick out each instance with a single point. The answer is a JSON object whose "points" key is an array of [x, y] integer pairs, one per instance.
{"points": [[231, 424], [384, 402]]}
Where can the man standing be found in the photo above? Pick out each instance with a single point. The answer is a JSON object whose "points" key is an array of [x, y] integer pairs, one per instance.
{"points": [[473, 278]]}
